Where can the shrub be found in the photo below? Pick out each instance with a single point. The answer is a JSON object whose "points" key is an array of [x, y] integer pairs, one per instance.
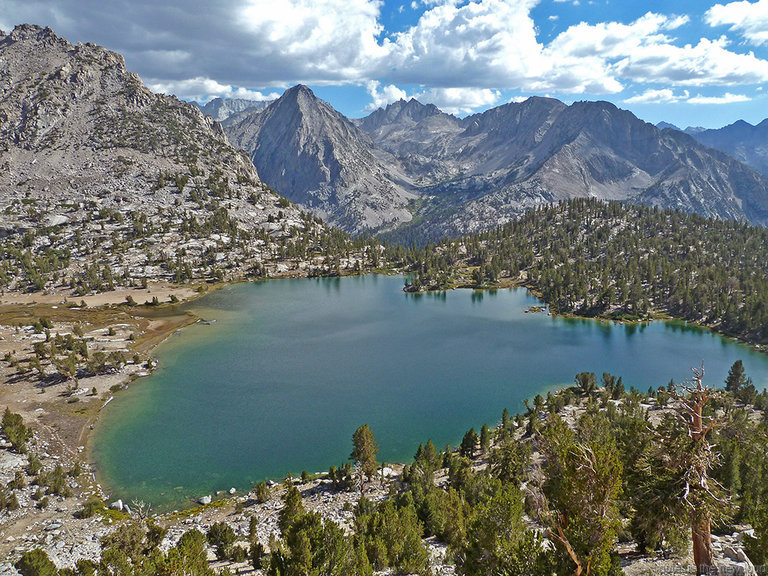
{"points": [[90, 508], [18, 481], [34, 466], [222, 537], [36, 563], [15, 431]]}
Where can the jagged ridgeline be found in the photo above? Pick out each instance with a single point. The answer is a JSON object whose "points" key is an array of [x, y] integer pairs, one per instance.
{"points": [[593, 258], [415, 173], [103, 182]]}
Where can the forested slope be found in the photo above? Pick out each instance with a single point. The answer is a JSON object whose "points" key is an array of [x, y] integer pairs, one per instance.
{"points": [[593, 258]]}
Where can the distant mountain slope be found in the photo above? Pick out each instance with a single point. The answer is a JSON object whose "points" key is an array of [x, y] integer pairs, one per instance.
{"points": [[221, 109], [136, 182], [315, 156], [519, 155], [475, 173], [743, 141]]}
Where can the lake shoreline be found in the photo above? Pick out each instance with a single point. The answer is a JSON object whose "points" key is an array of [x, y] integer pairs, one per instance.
{"points": [[147, 343], [62, 428], [63, 420], [652, 317], [496, 309]]}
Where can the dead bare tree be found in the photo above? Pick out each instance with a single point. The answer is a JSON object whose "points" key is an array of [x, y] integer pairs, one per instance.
{"points": [[701, 494], [141, 509]]}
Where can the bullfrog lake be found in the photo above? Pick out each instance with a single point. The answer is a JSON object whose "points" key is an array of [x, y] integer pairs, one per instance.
{"points": [[284, 371]]}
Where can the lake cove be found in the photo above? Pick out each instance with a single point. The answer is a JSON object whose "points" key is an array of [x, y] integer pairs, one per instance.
{"points": [[285, 370]]}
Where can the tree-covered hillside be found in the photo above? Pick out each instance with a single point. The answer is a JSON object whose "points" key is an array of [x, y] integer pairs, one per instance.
{"points": [[593, 258]]}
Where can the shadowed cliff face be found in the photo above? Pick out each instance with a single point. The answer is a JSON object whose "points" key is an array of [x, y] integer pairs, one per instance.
{"points": [[477, 172]]}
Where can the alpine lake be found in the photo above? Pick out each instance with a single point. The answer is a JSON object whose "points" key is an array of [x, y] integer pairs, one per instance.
{"points": [[282, 372]]}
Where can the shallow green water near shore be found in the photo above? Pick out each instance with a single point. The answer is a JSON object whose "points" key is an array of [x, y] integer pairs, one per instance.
{"points": [[290, 368]]}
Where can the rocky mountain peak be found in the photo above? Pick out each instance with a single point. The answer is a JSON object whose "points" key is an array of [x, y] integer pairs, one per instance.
{"points": [[527, 115], [80, 117], [314, 155], [664, 125], [416, 111], [401, 113], [300, 95], [34, 33], [299, 108]]}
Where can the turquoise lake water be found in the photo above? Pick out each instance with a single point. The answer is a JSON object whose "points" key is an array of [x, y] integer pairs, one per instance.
{"points": [[290, 368]]}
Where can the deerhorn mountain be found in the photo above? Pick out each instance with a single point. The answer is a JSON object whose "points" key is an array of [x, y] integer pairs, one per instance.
{"points": [[324, 162], [458, 175]]}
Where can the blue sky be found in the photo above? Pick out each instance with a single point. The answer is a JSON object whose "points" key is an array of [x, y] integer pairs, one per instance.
{"points": [[700, 63]]}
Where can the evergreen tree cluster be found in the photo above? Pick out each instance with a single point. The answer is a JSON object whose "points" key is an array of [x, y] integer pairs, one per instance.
{"points": [[595, 258]]}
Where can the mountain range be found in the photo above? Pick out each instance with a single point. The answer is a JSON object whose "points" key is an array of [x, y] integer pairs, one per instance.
{"points": [[77, 130], [746, 142], [414, 169], [743, 141]]}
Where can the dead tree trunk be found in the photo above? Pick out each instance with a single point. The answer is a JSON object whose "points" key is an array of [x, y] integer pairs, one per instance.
{"points": [[697, 490], [703, 555]]}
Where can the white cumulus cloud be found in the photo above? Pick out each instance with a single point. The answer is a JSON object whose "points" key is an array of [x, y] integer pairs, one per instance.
{"points": [[726, 98], [450, 100], [204, 89], [473, 48], [381, 96], [662, 96], [747, 18], [480, 43], [643, 52], [708, 63], [459, 100], [333, 39]]}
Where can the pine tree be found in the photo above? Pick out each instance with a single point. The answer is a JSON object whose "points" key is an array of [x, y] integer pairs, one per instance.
{"points": [[736, 377], [364, 453], [485, 439], [579, 502], [468, 443]]}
